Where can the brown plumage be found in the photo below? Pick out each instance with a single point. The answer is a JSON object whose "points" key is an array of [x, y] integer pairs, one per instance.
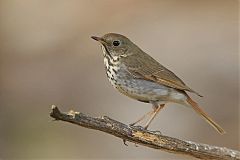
{"points": [[137, 75], [148, 68], [205, 116]]}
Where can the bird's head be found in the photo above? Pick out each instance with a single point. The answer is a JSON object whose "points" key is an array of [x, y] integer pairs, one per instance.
{"points": [[116, 45]]}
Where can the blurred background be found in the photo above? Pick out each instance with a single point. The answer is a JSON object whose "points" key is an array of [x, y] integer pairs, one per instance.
{"points": [[47, 57]]}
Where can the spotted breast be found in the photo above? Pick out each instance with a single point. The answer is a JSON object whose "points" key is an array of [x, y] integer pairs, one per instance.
{"points": [[112, 66]]}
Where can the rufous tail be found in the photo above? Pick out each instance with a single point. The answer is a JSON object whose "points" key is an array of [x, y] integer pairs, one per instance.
{"points": [[205, 116]]}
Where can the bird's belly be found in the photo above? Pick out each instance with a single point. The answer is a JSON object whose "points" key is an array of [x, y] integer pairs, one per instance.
{"points": [[139, 89], [148, 91]]}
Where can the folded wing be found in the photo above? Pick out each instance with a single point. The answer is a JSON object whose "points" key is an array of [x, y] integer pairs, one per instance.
{"points": [[145, 67]]}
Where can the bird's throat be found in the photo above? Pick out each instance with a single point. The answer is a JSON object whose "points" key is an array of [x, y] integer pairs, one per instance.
{"points": [[105, 51]]}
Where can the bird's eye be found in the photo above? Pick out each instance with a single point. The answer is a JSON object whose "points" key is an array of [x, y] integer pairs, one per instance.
{"points": [[116, 43]]}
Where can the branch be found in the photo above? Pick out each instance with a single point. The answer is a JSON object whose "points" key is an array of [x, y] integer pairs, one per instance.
{"points": [[152, 139]]}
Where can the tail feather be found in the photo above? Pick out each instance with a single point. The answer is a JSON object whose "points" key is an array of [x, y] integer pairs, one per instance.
{"points": [[205, 116]]}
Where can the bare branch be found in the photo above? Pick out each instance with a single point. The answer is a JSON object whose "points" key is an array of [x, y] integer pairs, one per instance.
{"points": [[152, 139]]}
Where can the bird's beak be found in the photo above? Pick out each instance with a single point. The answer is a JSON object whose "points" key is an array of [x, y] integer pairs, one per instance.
{"points": [[97, 38]]}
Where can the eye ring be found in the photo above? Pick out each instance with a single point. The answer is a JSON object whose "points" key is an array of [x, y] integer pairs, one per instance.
{"points": [[116, 43]]}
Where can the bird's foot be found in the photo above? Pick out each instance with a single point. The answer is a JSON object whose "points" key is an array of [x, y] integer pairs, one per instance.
{"points": [[155, 132], [137, 127], [141, 128], [132, 124]]}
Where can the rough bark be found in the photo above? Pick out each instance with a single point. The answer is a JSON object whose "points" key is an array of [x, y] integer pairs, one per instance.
{"points": [[147, 138]]}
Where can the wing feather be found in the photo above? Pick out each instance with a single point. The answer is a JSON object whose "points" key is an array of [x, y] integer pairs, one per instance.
{"points": [[145, 67]]}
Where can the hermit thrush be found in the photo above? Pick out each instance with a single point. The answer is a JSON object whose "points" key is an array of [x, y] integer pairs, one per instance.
{"points": [[137, 75]]}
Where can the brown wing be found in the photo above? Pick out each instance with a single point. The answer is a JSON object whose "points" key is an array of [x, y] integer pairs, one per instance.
{"points": [[145, 67]]}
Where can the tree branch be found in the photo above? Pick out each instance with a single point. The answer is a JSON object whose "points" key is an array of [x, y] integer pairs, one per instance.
{"points": [[152, 139]]}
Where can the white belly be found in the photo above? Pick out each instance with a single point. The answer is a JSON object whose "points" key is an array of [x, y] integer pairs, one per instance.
{"points": [[149, 91], [139, 89]]}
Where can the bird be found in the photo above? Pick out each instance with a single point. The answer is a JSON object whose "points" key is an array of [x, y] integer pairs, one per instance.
{"points": [[137, 75]]}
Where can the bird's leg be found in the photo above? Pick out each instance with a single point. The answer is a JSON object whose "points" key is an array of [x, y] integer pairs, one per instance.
{"points": [[155, 112], [143, 117]]}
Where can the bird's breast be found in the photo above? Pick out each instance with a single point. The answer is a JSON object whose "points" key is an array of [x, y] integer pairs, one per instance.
{"points": [[140, 89], [111, 69]]}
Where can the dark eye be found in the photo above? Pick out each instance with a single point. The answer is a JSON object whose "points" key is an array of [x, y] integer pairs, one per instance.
{"points": [[116, 43]]}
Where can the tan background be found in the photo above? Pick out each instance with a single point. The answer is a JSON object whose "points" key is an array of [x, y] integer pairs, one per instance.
{"points": [[47, 57]]}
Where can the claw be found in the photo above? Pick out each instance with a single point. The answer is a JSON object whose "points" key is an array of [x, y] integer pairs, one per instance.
{"points": [[156, 132], [137, 127], [132, 124]]}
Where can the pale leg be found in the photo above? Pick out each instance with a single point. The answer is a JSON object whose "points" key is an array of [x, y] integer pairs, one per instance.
{"points": [[155, 112], [143, 117]]}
